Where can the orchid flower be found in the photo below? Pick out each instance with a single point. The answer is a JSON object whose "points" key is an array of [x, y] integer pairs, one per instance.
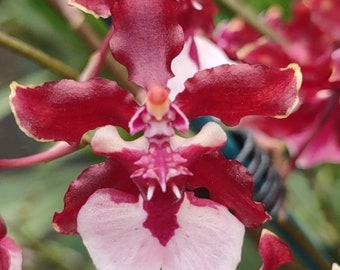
{"points": [[315, 120], [10, 253], [146, 205]]}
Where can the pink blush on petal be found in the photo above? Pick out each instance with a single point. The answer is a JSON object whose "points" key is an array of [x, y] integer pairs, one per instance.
{"points": [[111, 226]]}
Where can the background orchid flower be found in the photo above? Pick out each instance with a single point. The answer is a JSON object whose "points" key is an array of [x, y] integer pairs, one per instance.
{"points": [[273, 251], [141, 206], [325, 15], [10, 253], [310, 46]]}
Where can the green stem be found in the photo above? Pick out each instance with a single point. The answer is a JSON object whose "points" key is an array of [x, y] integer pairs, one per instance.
{"points": [[252, 18], [37, 56]]}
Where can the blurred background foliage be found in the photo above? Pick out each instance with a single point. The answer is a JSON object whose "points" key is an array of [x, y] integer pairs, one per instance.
{"points": [[30, 196]]}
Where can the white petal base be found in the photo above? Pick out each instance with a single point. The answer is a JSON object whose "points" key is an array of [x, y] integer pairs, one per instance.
{"points": [[111, 226]]}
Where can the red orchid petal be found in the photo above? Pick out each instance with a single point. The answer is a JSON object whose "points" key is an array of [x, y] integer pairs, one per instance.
{"points": [[5, 259], [193, 18], [10, 253], [98, 8], [335, 77], [296, 129], [64, 110], [264, 52], [324, 147], [103, 175], [230, 184], [230, 92], [234, 35], [326, 15], [315, 66], [111, 224], [273, 251], [146, 44]]}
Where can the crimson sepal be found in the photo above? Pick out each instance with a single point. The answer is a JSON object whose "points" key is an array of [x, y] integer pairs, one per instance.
{"points": [[231, 36], [231, 92], [315, 71], [146, 44], [234, 35], [197, 16], [109, 174], [64, 110], [308, 46], [273, 251], [229, 183], [4, 255]]}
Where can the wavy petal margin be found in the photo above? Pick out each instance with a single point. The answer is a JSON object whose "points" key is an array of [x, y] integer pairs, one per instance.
{"points": [[273, 251], [108, 174], [231, 92], [111, 226], [146, 44], [64, 110], [229, 184]]}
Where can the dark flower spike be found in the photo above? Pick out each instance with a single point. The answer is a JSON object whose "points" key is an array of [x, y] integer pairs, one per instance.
{"points": [[273, 251], [230, 92], [64, 110]]}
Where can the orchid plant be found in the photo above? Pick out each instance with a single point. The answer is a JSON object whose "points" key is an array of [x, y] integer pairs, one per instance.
{"points": [[164, 197]]}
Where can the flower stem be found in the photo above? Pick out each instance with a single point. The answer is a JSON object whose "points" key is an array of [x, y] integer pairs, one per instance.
{"points": [[37, 56], [97, 59], [251, 17], [58, 150]]}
